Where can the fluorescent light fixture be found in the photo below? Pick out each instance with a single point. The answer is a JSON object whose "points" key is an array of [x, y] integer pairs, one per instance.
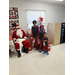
{"points": [[60, 0]]}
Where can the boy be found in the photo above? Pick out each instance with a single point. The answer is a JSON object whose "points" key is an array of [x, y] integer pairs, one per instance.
{"points": [[40, 38], [35, 33], [45, 43]]}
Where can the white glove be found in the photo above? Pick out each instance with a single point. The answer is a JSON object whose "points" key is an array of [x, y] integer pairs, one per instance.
{"points": [[25, 38], [20, 40], [32, 38], [43, 44]]}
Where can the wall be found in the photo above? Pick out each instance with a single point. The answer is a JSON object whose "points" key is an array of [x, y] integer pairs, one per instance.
{"points": [[54, 12]]}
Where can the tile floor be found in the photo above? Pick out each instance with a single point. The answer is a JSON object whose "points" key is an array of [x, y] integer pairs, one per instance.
{"points": [[36, 63]]}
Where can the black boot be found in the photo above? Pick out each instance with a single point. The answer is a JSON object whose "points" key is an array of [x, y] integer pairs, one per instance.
{"points": [[19, 54], [10, 53], [36, 48], [23, 48], [26, 50]]}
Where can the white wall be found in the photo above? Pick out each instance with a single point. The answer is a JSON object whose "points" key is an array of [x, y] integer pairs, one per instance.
{"points": [[54, 12]]}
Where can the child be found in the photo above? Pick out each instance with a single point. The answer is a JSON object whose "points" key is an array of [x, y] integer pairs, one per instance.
{"points": [[35, 33], [11, 44], [45, 43], [40, 38]]}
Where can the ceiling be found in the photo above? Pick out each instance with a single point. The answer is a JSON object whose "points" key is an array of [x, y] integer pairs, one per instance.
{"points": [[49, 1]]}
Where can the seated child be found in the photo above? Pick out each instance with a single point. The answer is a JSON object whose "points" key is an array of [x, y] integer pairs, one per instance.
{"points": [[45, 43], [11, 44]]}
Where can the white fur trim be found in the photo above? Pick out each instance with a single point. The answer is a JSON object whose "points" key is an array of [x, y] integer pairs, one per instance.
{"points": [[18, 27], [14, 39], [31, 37], [19, 33], [25, 38], [18, 49], [20, 40]]}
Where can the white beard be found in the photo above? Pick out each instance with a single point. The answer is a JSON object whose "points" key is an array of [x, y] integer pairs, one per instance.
{"points": [[19, 32]]}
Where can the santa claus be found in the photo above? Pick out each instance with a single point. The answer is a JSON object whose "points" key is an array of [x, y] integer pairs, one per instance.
{"points": [[19, 37]]}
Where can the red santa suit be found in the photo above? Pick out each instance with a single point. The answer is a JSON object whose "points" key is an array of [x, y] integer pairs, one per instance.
{"points": [[20, 37]]}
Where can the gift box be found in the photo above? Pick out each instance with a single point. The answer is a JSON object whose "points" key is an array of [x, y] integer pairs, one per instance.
{"points": [[30, 47], [26, 43]]}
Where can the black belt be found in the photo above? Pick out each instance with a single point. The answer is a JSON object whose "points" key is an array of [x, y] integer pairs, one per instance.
{"points": [[19, 38]]}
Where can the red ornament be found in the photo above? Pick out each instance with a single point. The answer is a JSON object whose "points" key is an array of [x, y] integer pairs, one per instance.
{"points": [[41, 19]]}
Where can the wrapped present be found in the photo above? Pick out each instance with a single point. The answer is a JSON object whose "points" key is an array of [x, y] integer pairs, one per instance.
{"points": [[26, 43], [30, 47]]}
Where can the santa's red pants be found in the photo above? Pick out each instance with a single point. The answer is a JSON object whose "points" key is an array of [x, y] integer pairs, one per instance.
{"points": [[17, 45], [45, 48], [40, 45], [26, 43], [36, 41]]}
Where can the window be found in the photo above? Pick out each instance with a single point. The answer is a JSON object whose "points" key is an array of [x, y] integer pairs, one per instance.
{"points": [[34, 15]]}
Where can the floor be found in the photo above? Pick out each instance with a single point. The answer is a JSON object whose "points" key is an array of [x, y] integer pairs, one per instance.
{"points": [[36, 63]]}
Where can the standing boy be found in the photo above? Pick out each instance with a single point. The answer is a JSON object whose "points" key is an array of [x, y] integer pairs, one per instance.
{"points": [[35, 33], [45, 43]]}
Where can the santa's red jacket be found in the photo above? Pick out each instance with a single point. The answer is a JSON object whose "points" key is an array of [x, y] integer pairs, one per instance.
{"points": [[15, 36]]}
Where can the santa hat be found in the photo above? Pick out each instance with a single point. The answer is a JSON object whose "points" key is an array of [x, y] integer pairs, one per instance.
{"points": [[17, 26]]}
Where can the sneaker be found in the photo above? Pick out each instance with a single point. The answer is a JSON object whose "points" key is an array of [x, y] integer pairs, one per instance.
{"points": [[40, 50], [44, 52], [47, 53]]}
